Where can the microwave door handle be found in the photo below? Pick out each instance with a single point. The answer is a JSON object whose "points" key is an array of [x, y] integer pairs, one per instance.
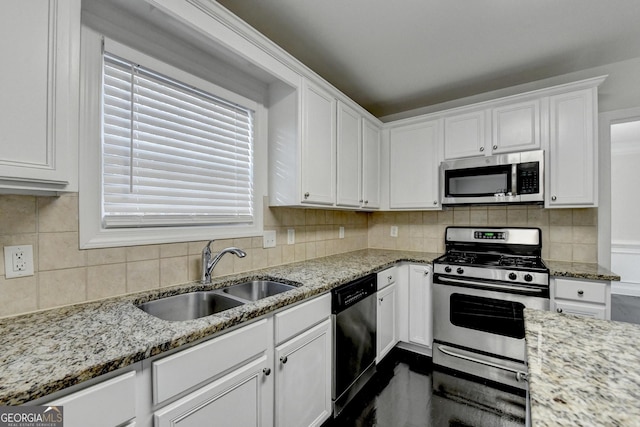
{"points": [[520, 375], [514, 179], [490, 285]]}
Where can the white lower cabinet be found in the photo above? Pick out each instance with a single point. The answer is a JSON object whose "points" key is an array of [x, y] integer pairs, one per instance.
{"points": [[303, 378], [225, 380], [387, 331], [235, 400], [420, 313], [386, 334], [303, 339], [415, 326], [110, 403], [588, 298]]}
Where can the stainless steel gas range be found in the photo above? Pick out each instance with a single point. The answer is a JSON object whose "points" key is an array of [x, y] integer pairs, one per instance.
{"points": [[481, 286]]}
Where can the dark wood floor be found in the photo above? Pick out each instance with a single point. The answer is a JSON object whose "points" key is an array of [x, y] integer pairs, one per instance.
{"points": [[407, 392], [625, 308]]}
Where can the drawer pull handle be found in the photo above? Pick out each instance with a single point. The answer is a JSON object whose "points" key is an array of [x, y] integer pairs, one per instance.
{"points": [[559, 310], [306, 195], [284, 359], [580, 292], [266, 371], [495, 147]]}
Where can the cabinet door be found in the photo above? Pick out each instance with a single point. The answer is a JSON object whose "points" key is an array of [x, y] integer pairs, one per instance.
{"points": [[464, 135], [420, 322], [387, 331], [572, 150], [596, 311], [318, 166], [349, 157], [414, 164], [370, 164], [38, 142], [303, 378], [516, 127], [237, 399]]}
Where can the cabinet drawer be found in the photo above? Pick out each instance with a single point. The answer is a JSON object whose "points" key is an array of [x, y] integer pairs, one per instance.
{"points": [[299, 318], [181, 371], [578, 290], [579, 309], [109, 403], [387, 277]]}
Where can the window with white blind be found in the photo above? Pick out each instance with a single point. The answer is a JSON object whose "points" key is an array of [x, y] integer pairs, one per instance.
{"points": [[172, 154], [174, 157]]}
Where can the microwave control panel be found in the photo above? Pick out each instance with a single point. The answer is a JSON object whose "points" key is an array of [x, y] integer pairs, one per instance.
{"points": [[528, 178]]}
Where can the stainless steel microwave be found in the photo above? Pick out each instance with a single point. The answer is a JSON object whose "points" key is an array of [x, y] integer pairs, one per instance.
{"points": [[498, 179]]}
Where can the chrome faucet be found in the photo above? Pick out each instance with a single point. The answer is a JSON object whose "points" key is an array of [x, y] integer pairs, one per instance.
{"points": [[208, 263]]}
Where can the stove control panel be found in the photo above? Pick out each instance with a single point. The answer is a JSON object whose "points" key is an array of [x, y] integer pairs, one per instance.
{"points": [[490, 235]]}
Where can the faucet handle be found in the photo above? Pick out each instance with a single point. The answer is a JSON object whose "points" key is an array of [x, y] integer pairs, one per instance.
{"points": [[207, 248]]}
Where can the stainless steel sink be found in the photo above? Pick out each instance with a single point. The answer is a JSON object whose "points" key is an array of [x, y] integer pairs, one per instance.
{"points": [[190, 306], [257, 289]]}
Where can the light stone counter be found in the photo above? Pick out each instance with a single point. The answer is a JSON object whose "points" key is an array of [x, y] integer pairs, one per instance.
{"points": [[582, 372], [47, 351], [44, 352], [580, 270]]}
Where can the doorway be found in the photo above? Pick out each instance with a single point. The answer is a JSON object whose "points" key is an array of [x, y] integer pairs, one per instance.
{"points": [[625, 204]]}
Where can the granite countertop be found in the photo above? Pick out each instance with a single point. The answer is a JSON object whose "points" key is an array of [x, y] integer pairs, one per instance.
{"points": [[47, 351], [580, 270], [582, 372]]}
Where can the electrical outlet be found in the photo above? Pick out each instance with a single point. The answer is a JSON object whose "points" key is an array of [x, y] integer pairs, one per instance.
{"points": [[18, 261], [291, 236], [394, 231], [269, 239], [341, 233]]}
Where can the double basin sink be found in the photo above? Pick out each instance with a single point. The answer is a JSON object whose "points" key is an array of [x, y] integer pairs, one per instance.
{"points": [[193, 305]]}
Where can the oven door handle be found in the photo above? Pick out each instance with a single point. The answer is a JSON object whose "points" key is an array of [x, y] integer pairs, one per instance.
{"points": [[497, 286], [520, 375]]}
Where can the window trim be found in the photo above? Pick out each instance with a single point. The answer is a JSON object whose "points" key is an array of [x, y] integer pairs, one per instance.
{"points": [[91, 231]]}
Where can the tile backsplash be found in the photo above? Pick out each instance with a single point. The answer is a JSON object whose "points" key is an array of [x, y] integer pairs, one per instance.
{"points": [[66, 275], [567, 234]]}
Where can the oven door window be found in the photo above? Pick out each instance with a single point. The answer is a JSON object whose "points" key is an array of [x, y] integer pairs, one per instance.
{"points": [[485, 181], [488, 315]]}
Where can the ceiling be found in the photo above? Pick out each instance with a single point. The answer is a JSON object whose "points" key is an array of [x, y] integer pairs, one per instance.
{"points": [[392, 56]]}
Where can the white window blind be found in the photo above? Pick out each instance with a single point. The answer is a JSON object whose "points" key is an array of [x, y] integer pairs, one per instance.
{"points": [[172, 154]]}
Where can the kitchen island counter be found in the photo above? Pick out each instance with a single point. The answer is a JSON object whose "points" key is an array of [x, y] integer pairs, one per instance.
{"points": [[582, 372]]}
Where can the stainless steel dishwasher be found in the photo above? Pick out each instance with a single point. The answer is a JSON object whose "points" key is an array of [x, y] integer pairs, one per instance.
{"points": [[353, 307]]}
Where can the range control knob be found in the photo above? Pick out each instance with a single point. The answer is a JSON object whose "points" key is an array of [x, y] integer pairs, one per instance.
{"points": [[460, 270], [447, 269], [528, 277], [513, 276]]}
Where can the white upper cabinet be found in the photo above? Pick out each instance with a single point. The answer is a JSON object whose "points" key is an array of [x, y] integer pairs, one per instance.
{"points": [[331, 160], [349, 190], [516, 127], [371, 149], [464, 135], [358, 183], [318, 166], [507, 128], [572, 152], [414, 161], [39, 104]]}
